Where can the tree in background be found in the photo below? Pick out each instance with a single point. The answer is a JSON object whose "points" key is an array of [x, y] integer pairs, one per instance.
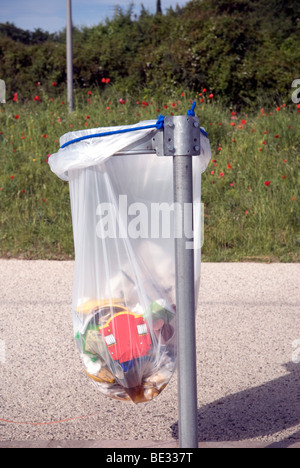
{"points": [[158, 7], [245, 51]]}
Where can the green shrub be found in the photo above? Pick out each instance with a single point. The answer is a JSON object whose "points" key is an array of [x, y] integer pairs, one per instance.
{"points": [[245, 51]]}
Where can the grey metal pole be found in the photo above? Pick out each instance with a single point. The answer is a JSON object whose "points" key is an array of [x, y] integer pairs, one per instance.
{"points": [[181, 139], [69, 56], [185, 306]]}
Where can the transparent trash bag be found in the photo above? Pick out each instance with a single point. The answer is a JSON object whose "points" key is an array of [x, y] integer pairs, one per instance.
{"points": [[124, 311]]}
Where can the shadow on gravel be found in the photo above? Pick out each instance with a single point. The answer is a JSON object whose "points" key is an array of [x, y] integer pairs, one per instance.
{"points": [[256, 412]]}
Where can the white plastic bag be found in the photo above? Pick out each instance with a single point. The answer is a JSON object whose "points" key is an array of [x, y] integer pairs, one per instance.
{"points": [[124, 311]]}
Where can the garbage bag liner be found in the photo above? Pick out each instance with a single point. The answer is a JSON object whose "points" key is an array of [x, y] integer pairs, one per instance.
{"points": [[124, 298]]}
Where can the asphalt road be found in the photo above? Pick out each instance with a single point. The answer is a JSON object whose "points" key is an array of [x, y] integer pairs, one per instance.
{"points": [[248, 353]]}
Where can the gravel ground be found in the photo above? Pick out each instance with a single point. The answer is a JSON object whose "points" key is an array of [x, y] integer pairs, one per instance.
{"points": [[248, 345]]}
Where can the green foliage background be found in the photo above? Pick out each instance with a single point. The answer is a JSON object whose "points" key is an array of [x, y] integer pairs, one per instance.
{"points": [[245, 51]]}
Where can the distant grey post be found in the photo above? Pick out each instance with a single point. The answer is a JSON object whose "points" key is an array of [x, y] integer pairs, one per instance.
{"points": [[2, 92]]}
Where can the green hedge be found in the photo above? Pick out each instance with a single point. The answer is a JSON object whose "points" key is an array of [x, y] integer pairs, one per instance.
{"points": [[246, 52]]}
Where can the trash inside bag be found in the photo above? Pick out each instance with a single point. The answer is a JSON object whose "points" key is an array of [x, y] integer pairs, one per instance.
{"points": [[124, 312]]}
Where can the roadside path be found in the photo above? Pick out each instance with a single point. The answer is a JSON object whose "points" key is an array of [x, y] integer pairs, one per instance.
{"points": [[248, 347]]}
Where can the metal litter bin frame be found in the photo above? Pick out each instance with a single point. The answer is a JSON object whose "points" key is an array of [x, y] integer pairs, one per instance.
{"points": [[180, 139]]}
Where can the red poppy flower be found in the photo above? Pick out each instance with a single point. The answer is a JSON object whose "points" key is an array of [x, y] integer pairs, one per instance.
{"points": [[211, 96], [17, 116], [276, 136], [54, 83], [204, 90], [15, 98], [243, 122], [221, 174], [37, 98], [228, 166], [267, 183], [12, 177]]}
